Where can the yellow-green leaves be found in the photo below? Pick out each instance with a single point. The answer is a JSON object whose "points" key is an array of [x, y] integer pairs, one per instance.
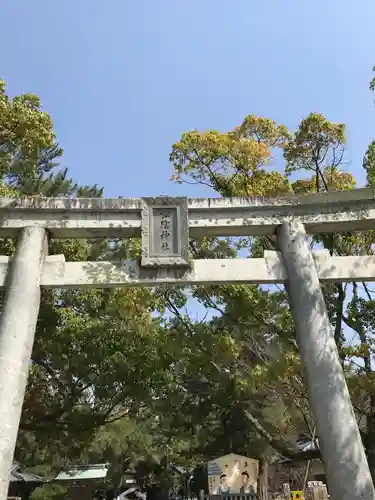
{"points": [[235, 163], [232, 163], [25, 130], [334, 180], [215, 158], [263, 130], [315, 145], [369, 164]]}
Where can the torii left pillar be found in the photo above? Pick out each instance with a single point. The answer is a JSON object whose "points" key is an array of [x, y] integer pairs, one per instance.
{"points": [[18, 321]]}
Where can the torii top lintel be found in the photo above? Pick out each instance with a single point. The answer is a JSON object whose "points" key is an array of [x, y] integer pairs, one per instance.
{"points": [[122, 217]]}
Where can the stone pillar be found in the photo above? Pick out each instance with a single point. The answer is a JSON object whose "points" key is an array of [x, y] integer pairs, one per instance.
{"points": [[17, 328], [343, 455]]}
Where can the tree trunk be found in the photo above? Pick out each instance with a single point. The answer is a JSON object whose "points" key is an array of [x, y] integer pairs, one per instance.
{"points": [[263, 479]]}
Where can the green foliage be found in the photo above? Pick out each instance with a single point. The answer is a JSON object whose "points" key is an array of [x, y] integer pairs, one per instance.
{"points": [[51, 492], [369, 164], [268, 381], [98, 354], [315, 145], [129, 376], [27, 140]]}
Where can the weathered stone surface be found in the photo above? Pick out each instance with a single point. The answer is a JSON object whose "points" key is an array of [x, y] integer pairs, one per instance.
{"points": [[269, 270], [18, 320], [81, 218], [165, 232]]}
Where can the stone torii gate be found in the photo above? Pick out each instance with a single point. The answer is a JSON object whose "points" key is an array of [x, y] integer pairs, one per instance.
{"points": [[165, 225]]}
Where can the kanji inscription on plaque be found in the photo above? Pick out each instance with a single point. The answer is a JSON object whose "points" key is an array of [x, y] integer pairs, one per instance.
{"points": [[165, 232]]}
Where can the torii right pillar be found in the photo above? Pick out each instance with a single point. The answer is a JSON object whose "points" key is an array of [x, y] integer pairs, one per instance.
{"points": [[343, 455]]}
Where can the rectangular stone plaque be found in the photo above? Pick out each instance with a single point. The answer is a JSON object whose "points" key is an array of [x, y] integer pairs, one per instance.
{"points": [[165, 232]]}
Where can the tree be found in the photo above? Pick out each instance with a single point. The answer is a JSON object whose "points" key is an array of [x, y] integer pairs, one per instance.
{"points": [[98, 354], [238, 163], [27, 141]]}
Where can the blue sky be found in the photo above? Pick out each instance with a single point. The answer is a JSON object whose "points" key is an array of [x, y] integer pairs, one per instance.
{"points": [[123, 79]]}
